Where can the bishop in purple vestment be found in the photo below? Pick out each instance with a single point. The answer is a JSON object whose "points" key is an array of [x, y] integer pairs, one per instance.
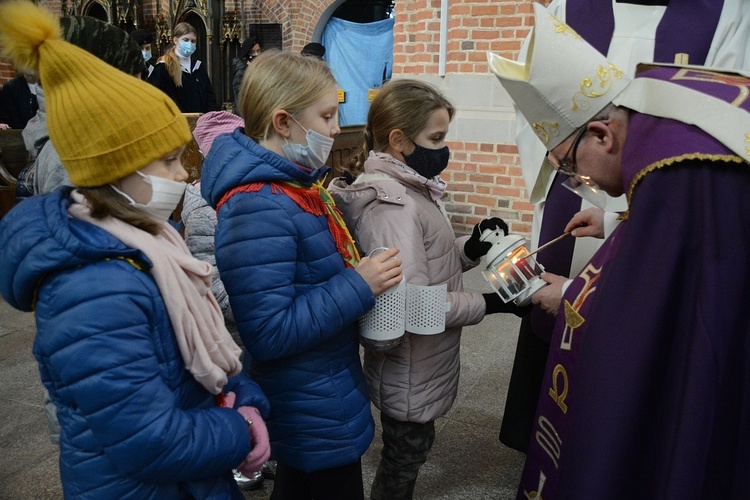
{"points": [[647, 387], [646, 392]]}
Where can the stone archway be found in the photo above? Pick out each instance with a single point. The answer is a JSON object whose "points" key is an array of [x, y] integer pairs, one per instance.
{"points": [[97, 9], [353, 13]]}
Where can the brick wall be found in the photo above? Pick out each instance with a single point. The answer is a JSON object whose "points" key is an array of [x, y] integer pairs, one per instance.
{"points": [[298, 18], [148, 16], [7, 71], [474, 27], [484, 180], [484, 175]]}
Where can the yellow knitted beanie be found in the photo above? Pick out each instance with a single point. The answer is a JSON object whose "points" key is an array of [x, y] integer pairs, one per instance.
{"points": [[104, 123]]}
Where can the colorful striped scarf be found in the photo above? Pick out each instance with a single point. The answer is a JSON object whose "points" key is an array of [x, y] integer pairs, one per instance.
{"points": [[315, 200]]}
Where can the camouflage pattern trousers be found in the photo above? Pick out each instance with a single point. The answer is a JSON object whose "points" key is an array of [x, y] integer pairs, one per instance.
{"points": [[405, 449]]}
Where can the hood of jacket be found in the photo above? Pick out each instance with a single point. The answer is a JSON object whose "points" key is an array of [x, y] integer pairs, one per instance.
{"points": [[235, 159], [192, 200], [38, 238], [385, 179]]}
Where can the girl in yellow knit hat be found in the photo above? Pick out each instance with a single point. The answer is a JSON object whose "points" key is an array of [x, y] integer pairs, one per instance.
{"points": [[131, 343]]}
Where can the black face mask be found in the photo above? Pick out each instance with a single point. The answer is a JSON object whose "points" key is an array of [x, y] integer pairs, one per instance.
{"points": [[428, 162]]}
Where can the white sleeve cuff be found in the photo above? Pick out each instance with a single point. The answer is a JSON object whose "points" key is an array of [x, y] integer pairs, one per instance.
{"points": [[610, 223]]}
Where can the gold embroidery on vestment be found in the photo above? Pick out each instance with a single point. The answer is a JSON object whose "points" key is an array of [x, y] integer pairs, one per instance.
{"points": [[564, 29], [740, 82], [560, 374], [546, 130], [572, 318], [593, 88]]}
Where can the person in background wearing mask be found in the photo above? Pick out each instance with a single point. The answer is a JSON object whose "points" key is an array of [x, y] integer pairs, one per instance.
{"points": [[249, 50], [182, 76], [145, 39], [295, 281], [19, 100], [130, 342]]}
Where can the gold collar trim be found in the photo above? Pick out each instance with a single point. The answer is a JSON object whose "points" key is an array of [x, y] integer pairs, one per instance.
{"points": [[671, 161]]}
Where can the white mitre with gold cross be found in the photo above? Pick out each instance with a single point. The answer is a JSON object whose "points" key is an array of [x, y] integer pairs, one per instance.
{"points": [[563, 83]]}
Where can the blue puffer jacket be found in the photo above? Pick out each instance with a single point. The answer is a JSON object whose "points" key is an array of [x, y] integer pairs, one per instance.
{"points": [[296, 306], [135, 423]]}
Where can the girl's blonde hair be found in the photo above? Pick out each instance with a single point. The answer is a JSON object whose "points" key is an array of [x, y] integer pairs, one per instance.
{"points": [[170, 58], [280, 80], [402, 104]]}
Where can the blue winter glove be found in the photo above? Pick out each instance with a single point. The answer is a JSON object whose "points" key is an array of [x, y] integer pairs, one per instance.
{"points": [[475, 249]]}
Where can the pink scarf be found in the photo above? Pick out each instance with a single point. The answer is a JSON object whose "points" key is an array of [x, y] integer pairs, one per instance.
{"points": [[184, 282]]}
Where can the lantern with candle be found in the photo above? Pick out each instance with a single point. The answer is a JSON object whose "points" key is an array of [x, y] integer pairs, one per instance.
{"points": [[510, 269]]}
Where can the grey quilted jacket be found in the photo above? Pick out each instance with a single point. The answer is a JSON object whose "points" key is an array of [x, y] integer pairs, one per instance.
{"points": [[200, 225]]}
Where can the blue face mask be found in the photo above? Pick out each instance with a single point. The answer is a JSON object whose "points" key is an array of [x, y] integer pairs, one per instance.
{"points": [[185, 48], [146, 55]]}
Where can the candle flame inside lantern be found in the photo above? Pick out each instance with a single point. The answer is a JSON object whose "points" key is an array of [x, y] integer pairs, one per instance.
{"points": [[513, 273]]}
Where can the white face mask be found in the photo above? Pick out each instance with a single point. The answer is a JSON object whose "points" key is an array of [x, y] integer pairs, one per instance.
{"points": [[165, 196], [314, 154]]}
